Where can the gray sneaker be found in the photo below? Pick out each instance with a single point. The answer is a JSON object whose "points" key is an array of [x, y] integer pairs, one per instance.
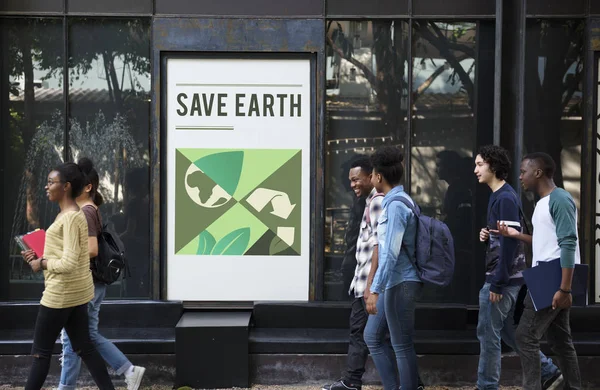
{"points": [[553, 383], [342, 385], [134, 379]]}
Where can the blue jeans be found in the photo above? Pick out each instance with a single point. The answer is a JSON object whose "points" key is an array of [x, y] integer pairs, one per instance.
{"points": [[396, 355], [495, 323], [71, 362]]}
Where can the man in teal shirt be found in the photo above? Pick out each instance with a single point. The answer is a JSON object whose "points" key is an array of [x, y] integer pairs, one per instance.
{"points": [[554, 236]]}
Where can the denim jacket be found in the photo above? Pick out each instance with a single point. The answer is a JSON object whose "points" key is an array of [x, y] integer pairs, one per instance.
{"points": [[397, 231]]}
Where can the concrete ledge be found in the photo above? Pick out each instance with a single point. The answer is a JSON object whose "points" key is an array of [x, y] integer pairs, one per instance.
{"points": [[160, 370], [449, 370]]}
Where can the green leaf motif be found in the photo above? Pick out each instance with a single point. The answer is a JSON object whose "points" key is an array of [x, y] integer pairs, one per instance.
{"points": [[206, 243], [277, 246], [223, 168], [235, 243]]}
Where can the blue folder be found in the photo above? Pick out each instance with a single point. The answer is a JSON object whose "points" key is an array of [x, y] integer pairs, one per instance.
{"points": [[544, 280]]}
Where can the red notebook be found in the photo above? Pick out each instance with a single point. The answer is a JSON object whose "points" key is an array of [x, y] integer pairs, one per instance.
{"points": [[36, 240]]}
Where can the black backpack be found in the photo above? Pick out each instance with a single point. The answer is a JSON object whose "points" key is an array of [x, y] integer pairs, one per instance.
{"points": [[110, 262]]}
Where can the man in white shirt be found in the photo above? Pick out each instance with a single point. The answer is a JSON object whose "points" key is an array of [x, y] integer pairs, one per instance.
{"points": [[554, 236]]}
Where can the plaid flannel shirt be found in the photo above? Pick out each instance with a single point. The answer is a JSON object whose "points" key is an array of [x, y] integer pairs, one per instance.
{"points": [[367, 240]]}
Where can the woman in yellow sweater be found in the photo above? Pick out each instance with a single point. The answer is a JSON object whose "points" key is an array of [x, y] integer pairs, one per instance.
{"points": [[68, 282]]}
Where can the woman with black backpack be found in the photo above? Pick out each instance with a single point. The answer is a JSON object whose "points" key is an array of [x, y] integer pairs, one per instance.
{"points": [[89, 201]]}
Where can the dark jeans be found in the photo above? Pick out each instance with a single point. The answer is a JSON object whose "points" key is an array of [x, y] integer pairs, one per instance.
{"points": [[555, 325], [396, 313], [357, 350], [48, 325]]}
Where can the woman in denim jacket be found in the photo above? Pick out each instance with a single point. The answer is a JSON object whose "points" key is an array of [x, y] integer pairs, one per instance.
{"points": [[396, 277]]}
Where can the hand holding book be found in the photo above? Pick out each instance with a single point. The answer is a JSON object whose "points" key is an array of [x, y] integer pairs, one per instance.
{"points": [[34, 241], [28, 255]]}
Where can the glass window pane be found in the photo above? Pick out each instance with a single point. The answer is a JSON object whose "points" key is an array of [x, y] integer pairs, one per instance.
{"points": [[109, 100], [553, 98], [32, 129], [367, 90], [443, 140]]}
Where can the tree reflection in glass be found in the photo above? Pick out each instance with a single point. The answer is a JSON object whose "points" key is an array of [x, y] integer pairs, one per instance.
{"points": [[109, 95], [31, 147], [443, 141], [367, 101], [553, 97], [367, 90]]}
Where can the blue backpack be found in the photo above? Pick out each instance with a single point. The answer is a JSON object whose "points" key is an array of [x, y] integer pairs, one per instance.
{"points": [[434, 257]]}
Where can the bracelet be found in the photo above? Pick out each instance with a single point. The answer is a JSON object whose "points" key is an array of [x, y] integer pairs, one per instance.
{"points": [[564, 291]]}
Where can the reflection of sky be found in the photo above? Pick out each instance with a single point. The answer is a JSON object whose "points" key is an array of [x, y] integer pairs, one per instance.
{"points": [[421, 72], [441, 84], [95, 78]]}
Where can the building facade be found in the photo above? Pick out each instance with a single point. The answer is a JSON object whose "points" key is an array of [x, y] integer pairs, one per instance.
{"points": [[436, 78]]}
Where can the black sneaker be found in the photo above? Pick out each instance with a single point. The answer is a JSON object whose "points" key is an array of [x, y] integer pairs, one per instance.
{"points": [[342, 385], [553, 383], [420, 387]]}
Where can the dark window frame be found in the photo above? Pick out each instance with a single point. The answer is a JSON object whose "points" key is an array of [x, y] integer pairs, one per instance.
{"points": [[29, 293], [456, 9], [386, 9], [410, 125], [543, 9], [241, 9], [65, 114], [588, 236], [590, 155]]}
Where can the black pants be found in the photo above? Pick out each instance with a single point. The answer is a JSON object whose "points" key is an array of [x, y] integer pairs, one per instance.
{"points": [[48, 324], [555, 325], [358, 352]]}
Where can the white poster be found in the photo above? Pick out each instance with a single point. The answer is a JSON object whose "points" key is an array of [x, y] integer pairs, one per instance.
{"points": [[238, 165]]}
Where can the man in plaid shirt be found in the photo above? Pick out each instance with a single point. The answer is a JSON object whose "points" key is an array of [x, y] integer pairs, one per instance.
{"points": [[366, 259]]}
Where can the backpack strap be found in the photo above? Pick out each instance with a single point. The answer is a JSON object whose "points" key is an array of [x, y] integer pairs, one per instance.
{"points": [[415, 209], [417, 212], [99, 221]]}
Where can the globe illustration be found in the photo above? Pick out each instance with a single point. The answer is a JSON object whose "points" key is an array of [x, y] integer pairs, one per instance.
{"points": [[202, 190]]}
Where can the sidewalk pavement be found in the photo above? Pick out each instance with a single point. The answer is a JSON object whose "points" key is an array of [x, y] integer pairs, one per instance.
{"points": [[271, 387]]}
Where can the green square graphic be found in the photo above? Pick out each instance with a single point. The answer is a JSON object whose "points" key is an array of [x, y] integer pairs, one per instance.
{"points": [[238, 202]]}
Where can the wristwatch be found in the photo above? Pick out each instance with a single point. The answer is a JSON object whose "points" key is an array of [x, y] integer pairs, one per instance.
{"points": [[564, 291]]}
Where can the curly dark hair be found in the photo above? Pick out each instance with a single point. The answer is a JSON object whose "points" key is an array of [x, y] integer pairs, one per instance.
{"points": [[497, 158], [364, 163], [387, 161]]}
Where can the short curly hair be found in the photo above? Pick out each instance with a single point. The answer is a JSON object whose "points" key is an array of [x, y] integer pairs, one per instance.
{"points": [[544, 162], [364, 163], [497, 158], [387, 161]]}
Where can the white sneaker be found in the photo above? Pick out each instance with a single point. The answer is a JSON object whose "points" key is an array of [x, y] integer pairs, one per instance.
{"points": [[134, 379]]}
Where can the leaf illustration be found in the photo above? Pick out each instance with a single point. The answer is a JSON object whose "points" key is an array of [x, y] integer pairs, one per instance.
{"points": [[206, 243], [234, 243], [223, 168], [277, 246]]}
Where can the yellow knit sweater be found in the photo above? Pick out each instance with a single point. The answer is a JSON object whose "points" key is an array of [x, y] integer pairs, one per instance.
{"points": [[68, 279]]}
